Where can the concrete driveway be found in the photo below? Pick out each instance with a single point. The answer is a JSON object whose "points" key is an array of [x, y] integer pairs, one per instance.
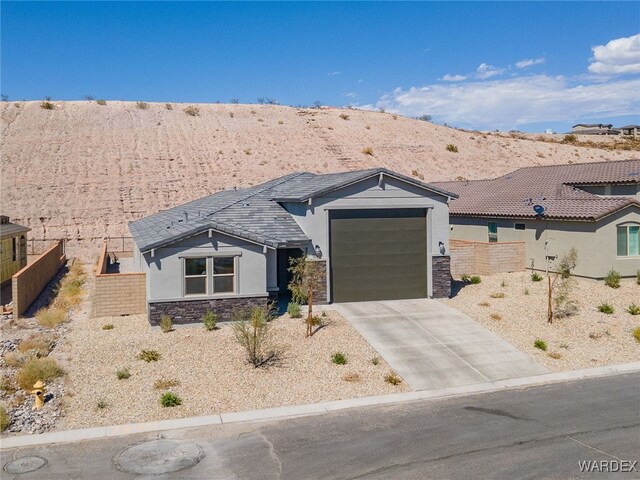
{"points": [[432, 345]]}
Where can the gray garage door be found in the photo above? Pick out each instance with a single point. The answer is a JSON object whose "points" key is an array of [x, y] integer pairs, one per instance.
{"points": [[378, 254]]}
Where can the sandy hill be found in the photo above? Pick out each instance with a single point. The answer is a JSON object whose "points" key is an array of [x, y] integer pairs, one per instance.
{"points": [[83, 170]]}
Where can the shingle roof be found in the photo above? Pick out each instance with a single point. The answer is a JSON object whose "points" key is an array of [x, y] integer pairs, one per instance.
{"points": [[11, 229], [555, 187], [252, 213]]}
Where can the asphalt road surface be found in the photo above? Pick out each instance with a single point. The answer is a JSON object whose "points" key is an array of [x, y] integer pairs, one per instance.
{"points": [[537, 432]]}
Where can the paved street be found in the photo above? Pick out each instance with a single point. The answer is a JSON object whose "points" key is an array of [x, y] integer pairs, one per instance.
{"points": [[537, 432], [432, 345]]}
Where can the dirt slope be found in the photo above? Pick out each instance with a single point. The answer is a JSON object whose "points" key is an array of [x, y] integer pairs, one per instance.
{"points": [[83, 170]]}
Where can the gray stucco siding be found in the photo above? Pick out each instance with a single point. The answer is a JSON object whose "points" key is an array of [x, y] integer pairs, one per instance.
{"points": [[165, 273]]}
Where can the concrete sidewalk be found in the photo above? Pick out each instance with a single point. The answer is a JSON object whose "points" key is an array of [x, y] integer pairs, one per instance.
{"points": [[70, 436], [432, 345]]}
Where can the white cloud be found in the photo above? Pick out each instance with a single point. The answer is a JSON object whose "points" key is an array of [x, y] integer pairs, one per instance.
{"points": [[333, 74], [453, 78], [528, 62], [508, 103], [350, 94], [619, 56], [485, 71]]}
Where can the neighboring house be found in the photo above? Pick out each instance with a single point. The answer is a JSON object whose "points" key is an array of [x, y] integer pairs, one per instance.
{"points": [[378, 235], [594, 207], [13, 248], [594, 129]]}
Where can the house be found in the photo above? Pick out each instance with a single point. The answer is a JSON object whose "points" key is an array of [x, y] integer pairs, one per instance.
{"points": [[377, 234], [594, 129], [13, 248], [631, 130], [594, 207]]}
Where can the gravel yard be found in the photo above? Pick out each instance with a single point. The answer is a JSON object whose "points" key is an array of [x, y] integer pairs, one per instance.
{"points": [[211, 369], [588, 339]]}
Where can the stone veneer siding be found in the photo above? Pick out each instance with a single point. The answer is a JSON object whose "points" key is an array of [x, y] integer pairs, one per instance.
{"points": [[320, 292], [441, 276], [191, 311]]}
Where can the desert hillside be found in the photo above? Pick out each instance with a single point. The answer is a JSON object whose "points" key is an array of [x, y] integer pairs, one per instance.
{"points": [[83, 170]]}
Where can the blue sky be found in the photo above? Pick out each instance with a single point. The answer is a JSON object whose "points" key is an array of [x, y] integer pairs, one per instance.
{"points": [[524, 65]]}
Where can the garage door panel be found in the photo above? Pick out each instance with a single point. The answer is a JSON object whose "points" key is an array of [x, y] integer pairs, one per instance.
{"points": [[378, 255]]}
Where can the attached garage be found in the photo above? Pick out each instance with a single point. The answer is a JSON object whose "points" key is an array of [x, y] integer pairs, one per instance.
{"points": [[378, 254]]}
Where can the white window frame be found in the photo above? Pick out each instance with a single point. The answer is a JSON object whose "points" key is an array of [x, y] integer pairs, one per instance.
{"points": [[626, 227], [185, 276]]}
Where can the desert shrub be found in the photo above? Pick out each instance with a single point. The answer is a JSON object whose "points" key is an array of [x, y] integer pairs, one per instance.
{"points": [[375, 360], [475, 279], [633, 309], [123, 374], [540, 344], [107, 326], [344, 116], [451, 148], [101, 102], [252, 331], [562, 287], [571, 138], [166, 324], [149, 356], [6, 385], [367, 151], [503, 283], [526, 291], [168, 106], [417, 174], [495, 316], [497, 295], [51, 317], [465, 278], [101, 404], [605, 308], [18, 359], [47, 105], [393, 379], [564, 345], [484, 304], [612, 279], [37, 369], [192, 111], [170, 399], [636, 334], [555, 355], [294, 310], [164, 384], [40, 345], [352, 377], [142, 105], [210, 320], [536, 277], [595, 335], [5, 419], [638, 277], [339, 358]]}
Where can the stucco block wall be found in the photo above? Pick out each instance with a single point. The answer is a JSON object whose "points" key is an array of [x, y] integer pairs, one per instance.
{"points": [[29, 282], [117, 294], [483, 258]]}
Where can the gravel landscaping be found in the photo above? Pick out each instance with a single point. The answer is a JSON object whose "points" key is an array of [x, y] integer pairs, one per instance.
{"points": [[588, 339], [210, 368]]}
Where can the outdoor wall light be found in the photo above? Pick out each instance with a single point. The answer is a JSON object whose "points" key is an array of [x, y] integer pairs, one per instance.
{"points": [[442, 249], [318, 251]]}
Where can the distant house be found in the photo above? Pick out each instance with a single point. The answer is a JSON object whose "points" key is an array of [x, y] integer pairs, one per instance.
{"points": [[13, 248], [594, 129], [376, 234], [594, 207], [632, 130]]}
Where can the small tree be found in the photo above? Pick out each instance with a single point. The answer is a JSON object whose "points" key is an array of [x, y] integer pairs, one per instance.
{"points": [[306, 277], [561, 287], [251, 329]]}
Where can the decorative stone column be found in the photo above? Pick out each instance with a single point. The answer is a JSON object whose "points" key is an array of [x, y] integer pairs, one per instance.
{"points": [[441, 276]]}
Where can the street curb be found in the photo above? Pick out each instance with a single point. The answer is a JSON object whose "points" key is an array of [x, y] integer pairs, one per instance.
{"points": [[280, 413]]}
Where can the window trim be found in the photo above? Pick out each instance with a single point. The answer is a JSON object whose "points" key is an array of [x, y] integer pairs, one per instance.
{"points": [[626, 227], [233, 275], [185, 276]]}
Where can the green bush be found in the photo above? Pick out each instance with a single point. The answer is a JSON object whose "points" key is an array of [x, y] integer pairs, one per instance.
{"points": [[636, 334], [393, 379], [375, 360], [166, 324], [47, 105], [452, 148], [465, 278], [633, 309], [36, 369], [5, 419], [123, 374], [540, 344], [170, 399], [108, 326], [339, 358], [294, 310], [210, 320], [612, 279], [474, 280], [149, 356], [638, 277], [605, 308], [536, 277], [101, 404], [101, 102]]}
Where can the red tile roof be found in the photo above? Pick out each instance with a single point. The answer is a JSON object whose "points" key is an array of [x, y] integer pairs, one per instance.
{"points": [[555, 187]]}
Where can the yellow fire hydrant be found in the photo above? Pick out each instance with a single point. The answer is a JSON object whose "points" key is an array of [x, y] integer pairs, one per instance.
{"points": [[39, 390]]}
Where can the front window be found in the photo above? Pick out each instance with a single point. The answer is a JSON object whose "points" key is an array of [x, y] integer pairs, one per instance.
{"points": [[493, 232], [224, 275], [195, 276], [628, 243]]}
